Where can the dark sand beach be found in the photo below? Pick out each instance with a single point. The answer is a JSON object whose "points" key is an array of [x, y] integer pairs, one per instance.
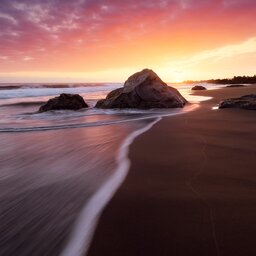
{"points": [[191, 188]]}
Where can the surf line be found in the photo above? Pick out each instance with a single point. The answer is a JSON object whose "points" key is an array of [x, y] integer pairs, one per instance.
{"points": [[86, 223], [83, 125]]}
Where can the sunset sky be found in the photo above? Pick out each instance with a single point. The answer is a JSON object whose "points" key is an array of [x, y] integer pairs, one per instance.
{"points": [[108, 40]]}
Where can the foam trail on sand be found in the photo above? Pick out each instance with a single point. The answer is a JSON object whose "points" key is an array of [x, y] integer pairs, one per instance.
{"points": [[87, 221]]}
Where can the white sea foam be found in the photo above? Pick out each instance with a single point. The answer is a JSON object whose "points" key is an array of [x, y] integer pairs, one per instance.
{"points": [[37, 92]]}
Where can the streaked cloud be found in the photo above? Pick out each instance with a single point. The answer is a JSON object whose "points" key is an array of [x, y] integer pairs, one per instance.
{"points": [[4, 57], [28, 58], [9, 18], [217, 54]]}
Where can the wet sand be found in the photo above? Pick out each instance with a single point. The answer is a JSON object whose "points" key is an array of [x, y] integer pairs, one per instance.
{"points": [[191, 188]]}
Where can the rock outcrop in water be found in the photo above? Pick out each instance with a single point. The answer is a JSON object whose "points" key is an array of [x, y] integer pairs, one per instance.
{"points": [[235, 85], [244, 102], [143, 90], [64, 102], [198, 88]]}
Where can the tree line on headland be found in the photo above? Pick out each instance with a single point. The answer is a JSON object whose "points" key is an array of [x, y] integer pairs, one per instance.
{"points": [[234, 80]]}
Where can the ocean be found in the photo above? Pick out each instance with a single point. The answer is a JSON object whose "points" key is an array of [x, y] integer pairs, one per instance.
{"points": [[59, 169]]}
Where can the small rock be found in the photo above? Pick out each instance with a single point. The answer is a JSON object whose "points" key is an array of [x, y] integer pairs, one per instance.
{"points": [[244, 102], [198, 88], [64, 102]]}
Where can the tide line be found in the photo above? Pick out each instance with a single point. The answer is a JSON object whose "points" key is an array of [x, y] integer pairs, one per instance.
{"points": [[86, 223]]}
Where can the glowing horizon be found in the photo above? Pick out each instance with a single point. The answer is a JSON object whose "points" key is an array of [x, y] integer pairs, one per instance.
{"points": [[108, 40]]}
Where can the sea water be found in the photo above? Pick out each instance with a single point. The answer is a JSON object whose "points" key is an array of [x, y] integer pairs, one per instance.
{"points": [[59, 169]]}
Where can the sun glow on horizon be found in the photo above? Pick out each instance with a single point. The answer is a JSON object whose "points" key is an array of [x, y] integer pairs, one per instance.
{"points": [[178, 81]]}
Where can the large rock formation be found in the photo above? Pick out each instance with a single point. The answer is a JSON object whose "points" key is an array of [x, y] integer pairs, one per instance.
{"points": [[64, 101], [143, 90], [244, 102], [198, 88]]}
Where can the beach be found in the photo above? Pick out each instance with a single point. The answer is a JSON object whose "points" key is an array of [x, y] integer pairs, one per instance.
{"points": [[191, 187], [127, 128]]}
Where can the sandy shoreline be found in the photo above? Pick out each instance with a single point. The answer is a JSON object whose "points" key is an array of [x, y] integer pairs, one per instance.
{"points": [[191, 188]]}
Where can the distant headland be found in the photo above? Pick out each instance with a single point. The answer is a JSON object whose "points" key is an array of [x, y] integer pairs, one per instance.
{"points": [[234, 80]]}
